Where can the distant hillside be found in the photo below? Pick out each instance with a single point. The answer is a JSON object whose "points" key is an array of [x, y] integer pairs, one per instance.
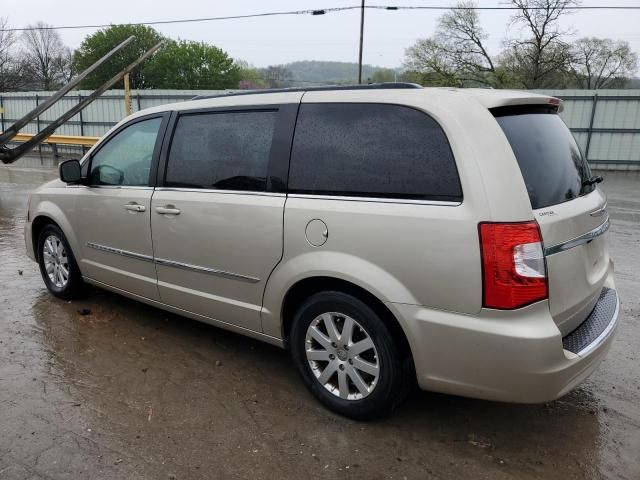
{"points": [[309, 72]]}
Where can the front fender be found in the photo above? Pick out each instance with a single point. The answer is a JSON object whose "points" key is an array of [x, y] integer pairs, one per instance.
{"points": [[338, 265], [60, 216]]}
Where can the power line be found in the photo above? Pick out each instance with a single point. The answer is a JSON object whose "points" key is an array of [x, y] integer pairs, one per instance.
{"points": [[190, 20], [320, 11]]}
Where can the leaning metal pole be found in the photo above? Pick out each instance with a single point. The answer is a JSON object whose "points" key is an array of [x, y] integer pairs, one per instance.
{"points": [[10, 156], [13, 130]]}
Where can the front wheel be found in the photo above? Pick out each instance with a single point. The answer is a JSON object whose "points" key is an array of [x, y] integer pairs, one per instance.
{"points": [[58, 266], [346, 356]]}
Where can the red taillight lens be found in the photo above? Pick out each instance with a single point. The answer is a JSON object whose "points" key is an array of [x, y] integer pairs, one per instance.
{"points": [[514, 271]]}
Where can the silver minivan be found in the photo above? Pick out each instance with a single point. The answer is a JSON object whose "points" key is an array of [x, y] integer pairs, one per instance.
{"points": [[384, 234]]}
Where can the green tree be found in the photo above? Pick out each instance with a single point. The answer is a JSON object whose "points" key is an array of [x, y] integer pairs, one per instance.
{"points": [[192, 66], [384, 75], [98, 44], [250, 77]]}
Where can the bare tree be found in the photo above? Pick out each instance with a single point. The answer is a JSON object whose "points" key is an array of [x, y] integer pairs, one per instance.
{"points": [[461, 31], [602, 63], [11, 68], [456, 54], [277, 76], [429, 63], [47, 58], [541, 51], [7, 40]]}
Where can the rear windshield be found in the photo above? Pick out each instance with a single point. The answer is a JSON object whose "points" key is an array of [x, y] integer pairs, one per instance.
{"points": [[552, 165]]}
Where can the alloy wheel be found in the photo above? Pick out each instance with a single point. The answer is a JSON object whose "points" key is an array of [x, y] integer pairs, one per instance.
{"points": [[342, 356], [56, 261]]}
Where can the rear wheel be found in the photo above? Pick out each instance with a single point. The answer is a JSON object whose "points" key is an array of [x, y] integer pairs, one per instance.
{"points": [[58, 265], [347, 356]]}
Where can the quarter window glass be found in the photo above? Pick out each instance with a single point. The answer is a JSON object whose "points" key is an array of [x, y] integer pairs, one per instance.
{"points": [[126, 158], [228, 151], [372, 150]]}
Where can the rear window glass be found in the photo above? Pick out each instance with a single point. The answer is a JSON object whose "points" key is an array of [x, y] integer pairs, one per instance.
{"points": [[371, 150], [552, 165]]}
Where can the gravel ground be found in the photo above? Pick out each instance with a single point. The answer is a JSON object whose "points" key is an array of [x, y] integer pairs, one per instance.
{"points": [[129, 391]]}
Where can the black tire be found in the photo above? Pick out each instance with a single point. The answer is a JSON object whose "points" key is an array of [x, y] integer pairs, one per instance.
{"points": [[392, 381], [74, 286]]}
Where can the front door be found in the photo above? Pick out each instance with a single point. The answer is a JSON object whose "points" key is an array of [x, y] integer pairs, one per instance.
{"points": [[114, 210], [217, 222]]}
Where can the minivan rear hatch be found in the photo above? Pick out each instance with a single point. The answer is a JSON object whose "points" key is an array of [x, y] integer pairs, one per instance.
{"points": [[566, 203]]}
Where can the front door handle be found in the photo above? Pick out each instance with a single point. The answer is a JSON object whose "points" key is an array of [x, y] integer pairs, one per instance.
{"points": [[168, 210], [135, 207]]}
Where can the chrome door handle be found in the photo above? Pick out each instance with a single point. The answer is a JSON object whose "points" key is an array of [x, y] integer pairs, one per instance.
{"points": [[134, 207], [168, 210]]}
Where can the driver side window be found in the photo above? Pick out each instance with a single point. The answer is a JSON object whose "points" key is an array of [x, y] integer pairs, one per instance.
{"points": [[125, 160]]}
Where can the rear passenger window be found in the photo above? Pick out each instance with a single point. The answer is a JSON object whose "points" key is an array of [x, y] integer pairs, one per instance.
{"points": [[221, 150], [372, 150]]}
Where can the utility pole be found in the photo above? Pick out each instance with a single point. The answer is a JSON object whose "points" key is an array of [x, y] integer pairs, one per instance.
{"points": [[361, 38]]}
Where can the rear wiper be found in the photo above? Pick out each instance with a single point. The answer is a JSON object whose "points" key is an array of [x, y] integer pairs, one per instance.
{"points": [[592, 181]]}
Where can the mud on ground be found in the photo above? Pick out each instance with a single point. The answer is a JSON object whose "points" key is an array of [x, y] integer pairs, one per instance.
{"points": [[129, 391]]}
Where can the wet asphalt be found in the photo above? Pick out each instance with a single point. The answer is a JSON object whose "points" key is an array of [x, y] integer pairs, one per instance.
{"points": [[131, 392]]}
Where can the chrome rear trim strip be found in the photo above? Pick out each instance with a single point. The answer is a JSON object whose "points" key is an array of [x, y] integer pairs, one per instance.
{"points": [[581, 240], [599, 212], [117, 251], [210, 271], [171, 263]]}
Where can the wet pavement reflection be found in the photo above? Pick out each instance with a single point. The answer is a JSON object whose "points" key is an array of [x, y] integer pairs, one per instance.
{"points": [[110, 388]]}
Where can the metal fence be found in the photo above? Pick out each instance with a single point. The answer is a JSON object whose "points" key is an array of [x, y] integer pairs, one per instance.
{"points": [[94, 120], [606, 123]]}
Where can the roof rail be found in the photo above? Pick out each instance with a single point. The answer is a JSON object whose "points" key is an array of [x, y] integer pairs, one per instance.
{"points": [[368, 86]]}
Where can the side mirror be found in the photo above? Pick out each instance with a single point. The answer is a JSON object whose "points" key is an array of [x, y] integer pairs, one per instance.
{"points": [[70, 171]]}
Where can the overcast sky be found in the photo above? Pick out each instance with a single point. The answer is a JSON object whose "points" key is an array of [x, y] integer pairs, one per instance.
{"points": [[275, 40]]}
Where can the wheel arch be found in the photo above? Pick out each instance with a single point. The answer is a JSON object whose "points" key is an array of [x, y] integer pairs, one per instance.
{"points": [[306, 287], [48, 217]]}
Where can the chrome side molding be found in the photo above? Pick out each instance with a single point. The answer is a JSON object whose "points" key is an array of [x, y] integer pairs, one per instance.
{"points": [[581, 240], [171, 263], [117, 251], [210, 271]]}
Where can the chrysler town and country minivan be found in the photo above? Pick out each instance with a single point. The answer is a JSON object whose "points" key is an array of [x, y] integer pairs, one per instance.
{"points": [[384, 234]]}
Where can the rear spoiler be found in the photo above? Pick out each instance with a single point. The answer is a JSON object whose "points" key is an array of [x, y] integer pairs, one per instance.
{"points": [[523, 109], [494, 99]]}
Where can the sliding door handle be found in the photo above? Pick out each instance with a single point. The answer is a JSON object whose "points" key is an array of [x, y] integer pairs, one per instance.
{"points": [[168, 210]]}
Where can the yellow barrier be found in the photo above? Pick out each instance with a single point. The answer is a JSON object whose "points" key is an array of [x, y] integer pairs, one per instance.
{"points": [[60, 139]]}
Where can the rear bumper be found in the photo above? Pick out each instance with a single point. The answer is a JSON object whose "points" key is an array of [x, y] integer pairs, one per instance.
{"points": [[517, 356]]}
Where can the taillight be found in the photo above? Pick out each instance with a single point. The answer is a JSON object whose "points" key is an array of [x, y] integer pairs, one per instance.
{"points": [[514, 270]]}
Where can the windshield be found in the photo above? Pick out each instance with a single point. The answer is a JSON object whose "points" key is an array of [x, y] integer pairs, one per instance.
{"points": [[552, 165]]}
